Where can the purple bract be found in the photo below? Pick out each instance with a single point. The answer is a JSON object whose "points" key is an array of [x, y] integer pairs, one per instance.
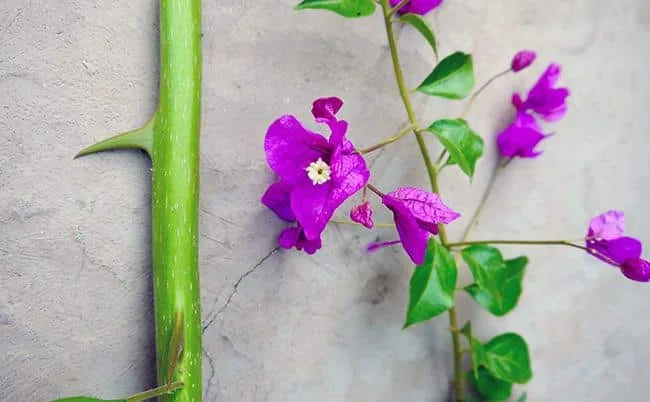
{"points": [[522, 60], [544, 99], [295, 237], [362, 214], [607, 226], [636, 269], [417, 214], [521, 137]]}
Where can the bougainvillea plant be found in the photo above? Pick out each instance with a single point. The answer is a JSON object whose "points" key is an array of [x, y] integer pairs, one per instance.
{"points": [[316, 174]]}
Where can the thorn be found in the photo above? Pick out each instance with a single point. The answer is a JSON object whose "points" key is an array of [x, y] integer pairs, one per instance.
{"points": [[141, 138]]}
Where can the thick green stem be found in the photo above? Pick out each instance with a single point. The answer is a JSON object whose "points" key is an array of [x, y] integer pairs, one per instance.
{"points": [[171, 138], [433, 178], [175, 196]]}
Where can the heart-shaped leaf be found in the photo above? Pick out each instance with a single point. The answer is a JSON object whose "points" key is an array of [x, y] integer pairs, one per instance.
{"points": [[423, 27], [432, 285], [506, 358], [465, 147], [498, 282], [488, 386], [452, 78], [346, 8]]}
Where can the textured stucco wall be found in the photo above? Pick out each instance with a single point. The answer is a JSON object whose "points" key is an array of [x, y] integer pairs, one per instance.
{"points": [[75, 281]]}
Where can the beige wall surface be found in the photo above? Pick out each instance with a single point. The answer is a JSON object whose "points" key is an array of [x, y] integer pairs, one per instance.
{"points": [[75, 266]]}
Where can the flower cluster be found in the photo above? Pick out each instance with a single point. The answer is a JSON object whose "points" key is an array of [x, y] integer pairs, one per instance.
{"points": [[316, 175], [544, 101], [605, 241]]}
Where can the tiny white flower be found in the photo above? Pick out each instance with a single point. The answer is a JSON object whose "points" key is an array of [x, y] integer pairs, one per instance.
{"points": [[318, 172]]}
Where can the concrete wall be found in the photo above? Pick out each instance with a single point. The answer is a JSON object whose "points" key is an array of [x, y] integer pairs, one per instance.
{"points": [[75, 266]]}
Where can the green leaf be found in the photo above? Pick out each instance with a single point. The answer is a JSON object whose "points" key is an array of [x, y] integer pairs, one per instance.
{"points": [[488, 386], [423, 27], [346, 8], [432, 285], [477, 349], [522, 397], [506, 358], [465, 147], [498, 282], [88, 399], [452, 78]]}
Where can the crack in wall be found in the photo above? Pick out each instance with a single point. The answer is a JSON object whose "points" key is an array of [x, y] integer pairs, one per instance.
{"points": [[212, 317]]}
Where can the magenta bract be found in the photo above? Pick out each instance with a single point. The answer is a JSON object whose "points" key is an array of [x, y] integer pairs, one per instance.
{"points": [[362, 214], [521, 137], [417, 214], [544, 99], [522, 60]]}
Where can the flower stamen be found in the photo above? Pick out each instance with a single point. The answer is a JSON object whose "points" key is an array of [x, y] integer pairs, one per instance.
{"points": [[318, 172]]}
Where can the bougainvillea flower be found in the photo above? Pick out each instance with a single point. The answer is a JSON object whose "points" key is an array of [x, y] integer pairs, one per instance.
{"points": [[607, 226], [522, 60], [417, 214], [362, 214], [606, 242], [521, 137], [318, 174], [636, 269], [419, 7], [544, 99], [295, 237]]}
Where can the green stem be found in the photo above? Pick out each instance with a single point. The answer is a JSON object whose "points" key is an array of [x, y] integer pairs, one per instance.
{"points": [[433, 179], [152, 393], [175, 197], [521, 242], [475, 95], [402, 133]]}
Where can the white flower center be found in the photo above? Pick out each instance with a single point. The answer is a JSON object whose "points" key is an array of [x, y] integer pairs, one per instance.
{"points": [[318, 172]]}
